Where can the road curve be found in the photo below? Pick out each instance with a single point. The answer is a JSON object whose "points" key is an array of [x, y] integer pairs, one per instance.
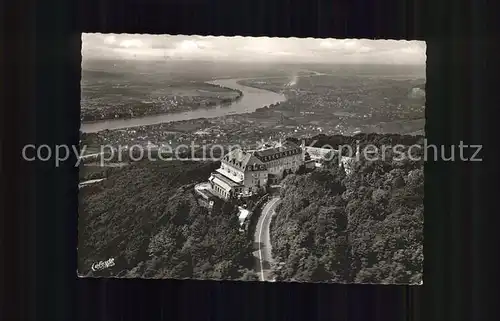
{"points": [[263, 240]]}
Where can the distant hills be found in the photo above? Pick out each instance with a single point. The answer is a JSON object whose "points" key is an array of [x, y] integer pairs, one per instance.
{"points": [[248, 69]]}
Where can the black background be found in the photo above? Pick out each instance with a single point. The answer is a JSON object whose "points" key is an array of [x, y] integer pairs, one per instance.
{"points": [[41, 58]]}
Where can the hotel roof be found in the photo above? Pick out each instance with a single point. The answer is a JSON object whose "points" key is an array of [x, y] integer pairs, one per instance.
{"points": [[226, 180], [221, 183], [242, 159], [285, 147]]}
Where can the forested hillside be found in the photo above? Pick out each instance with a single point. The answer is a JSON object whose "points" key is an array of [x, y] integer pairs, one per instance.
{"points": [[366, 227], [146, 217], [360, 140]]}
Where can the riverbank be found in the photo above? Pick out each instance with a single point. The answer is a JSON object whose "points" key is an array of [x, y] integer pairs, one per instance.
{"points": [[293, 111], [250, 99], [193, 97]]}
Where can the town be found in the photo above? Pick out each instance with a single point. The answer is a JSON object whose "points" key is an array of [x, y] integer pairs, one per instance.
{"points": [[170, 98], [350, 108]]}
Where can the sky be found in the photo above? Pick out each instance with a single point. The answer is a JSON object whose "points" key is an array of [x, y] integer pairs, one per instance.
{"points": [[263, 49]]}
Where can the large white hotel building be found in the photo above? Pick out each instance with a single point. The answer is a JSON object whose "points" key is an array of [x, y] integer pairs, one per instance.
{"points": [[243, 173]]}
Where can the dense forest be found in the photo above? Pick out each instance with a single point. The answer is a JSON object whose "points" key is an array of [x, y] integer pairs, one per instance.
{"points": [[364, 227], [360, 140], [147, 218]]}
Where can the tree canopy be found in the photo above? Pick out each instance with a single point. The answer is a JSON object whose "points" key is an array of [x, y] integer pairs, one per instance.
{"points": [[147, 217], [364, 227]]}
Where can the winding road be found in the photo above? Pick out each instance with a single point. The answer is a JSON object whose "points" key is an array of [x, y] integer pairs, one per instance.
{"points": [[262, 240]]}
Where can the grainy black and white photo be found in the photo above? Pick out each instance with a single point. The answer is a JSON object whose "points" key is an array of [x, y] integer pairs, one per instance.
{"points": [[252, 159]]}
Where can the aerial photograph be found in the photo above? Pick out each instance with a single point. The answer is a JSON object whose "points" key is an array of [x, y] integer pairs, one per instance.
{"points": [[252, 159]]}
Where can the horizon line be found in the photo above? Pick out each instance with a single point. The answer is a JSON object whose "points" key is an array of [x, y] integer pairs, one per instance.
{"points": [[167, 59]]}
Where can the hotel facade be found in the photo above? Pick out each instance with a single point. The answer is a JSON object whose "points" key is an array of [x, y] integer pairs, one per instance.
{"points": [[245, 173]]}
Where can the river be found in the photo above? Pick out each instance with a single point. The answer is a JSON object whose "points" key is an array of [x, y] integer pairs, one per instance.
{"points": [[252, 99]]}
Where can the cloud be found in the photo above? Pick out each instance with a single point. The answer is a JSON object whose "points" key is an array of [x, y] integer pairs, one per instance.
{"points": [[109, 40], [132, 43], [133, 46], [346, 46]]}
